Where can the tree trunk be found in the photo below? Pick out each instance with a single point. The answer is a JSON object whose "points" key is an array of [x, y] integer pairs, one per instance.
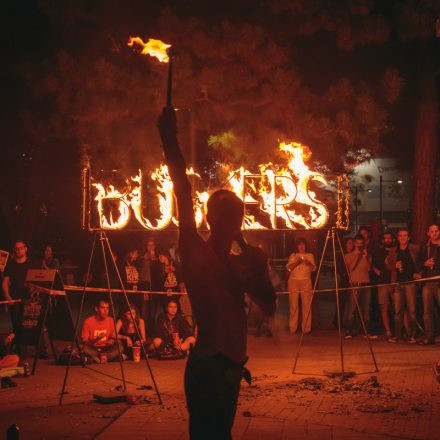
{"points": [[425, 153]]}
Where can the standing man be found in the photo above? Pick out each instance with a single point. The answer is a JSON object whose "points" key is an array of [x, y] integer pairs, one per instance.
{"points": [[429, 264], [13, 282], [402, 261], [216, 282], [383, 274], [359, 265], [369, 244], [151, 275]]}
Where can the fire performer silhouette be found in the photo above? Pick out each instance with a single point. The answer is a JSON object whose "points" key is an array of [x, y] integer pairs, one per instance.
{"points": [[216, 282]]}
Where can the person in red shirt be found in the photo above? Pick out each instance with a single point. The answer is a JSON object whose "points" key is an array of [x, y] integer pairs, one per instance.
{"points": [[98, 335]]}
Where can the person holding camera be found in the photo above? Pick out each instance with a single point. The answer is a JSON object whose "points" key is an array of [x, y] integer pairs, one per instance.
{"points": [[300, 265], [359, 265]]}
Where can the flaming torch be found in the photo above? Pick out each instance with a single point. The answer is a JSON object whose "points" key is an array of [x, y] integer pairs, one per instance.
{"points": [[159, 50]]}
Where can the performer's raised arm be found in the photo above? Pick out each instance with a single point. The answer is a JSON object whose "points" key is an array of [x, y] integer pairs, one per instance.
{"points": [[177, 168]]}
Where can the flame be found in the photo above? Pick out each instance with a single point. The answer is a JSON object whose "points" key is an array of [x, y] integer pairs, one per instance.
{"points": [[111, 194], [164, 186], [200, 200], [279, 188], [154, 48], [318, 213], [276, 193]]}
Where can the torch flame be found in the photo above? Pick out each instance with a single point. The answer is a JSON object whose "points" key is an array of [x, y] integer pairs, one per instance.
{"points": [[154, 48]]}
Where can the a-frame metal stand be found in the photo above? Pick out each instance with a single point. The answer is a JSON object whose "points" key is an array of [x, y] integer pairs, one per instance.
{"points": [[48, 285], [333, 236], [101, 236]]}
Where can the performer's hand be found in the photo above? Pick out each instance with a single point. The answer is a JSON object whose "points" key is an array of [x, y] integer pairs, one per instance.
{"points": [[167, 124], [129, 342], [417, 276]]}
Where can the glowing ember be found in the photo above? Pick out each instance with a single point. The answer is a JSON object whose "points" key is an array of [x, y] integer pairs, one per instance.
{"points": [[154, 48], [277, 197]]}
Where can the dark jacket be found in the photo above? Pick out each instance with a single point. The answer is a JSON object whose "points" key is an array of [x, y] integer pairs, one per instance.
{"points": [[427, 251], [380, 258], [165, 327], [392, 259]]}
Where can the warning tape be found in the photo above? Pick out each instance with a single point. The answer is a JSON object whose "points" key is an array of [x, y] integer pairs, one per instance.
{"points": [[369, 286], [148, 292], [10, 301]]}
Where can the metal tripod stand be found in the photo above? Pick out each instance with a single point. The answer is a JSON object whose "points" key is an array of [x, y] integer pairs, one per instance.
{"points": [[332, 235], [101, 236]]}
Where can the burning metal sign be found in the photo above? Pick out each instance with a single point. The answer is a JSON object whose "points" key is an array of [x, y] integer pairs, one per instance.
{"points": [[276, 197]]}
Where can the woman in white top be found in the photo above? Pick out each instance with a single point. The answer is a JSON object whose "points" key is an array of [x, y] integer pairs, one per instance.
{"points": [[301, 264]]}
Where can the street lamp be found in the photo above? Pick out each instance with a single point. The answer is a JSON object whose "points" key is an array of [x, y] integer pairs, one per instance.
{"points": [[358, 189], [381, 182]]}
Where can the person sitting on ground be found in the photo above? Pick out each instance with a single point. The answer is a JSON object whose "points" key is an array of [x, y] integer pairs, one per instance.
{"points": [[7, 359], [98, 335], [172, 329], [126, 329]]}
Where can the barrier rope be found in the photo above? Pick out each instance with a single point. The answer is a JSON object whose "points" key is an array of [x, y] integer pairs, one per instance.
{"points": [[148, 292]]}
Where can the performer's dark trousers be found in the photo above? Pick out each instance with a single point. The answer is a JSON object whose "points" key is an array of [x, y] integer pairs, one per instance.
{"points": [[212, 385]]}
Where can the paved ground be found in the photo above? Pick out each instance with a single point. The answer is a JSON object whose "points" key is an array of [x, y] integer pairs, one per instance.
{"points": [[403, 403]]}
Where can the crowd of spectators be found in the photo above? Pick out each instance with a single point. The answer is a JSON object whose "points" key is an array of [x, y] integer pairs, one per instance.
{"points": [[161, 322], [393, 267], [378, 280]]}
